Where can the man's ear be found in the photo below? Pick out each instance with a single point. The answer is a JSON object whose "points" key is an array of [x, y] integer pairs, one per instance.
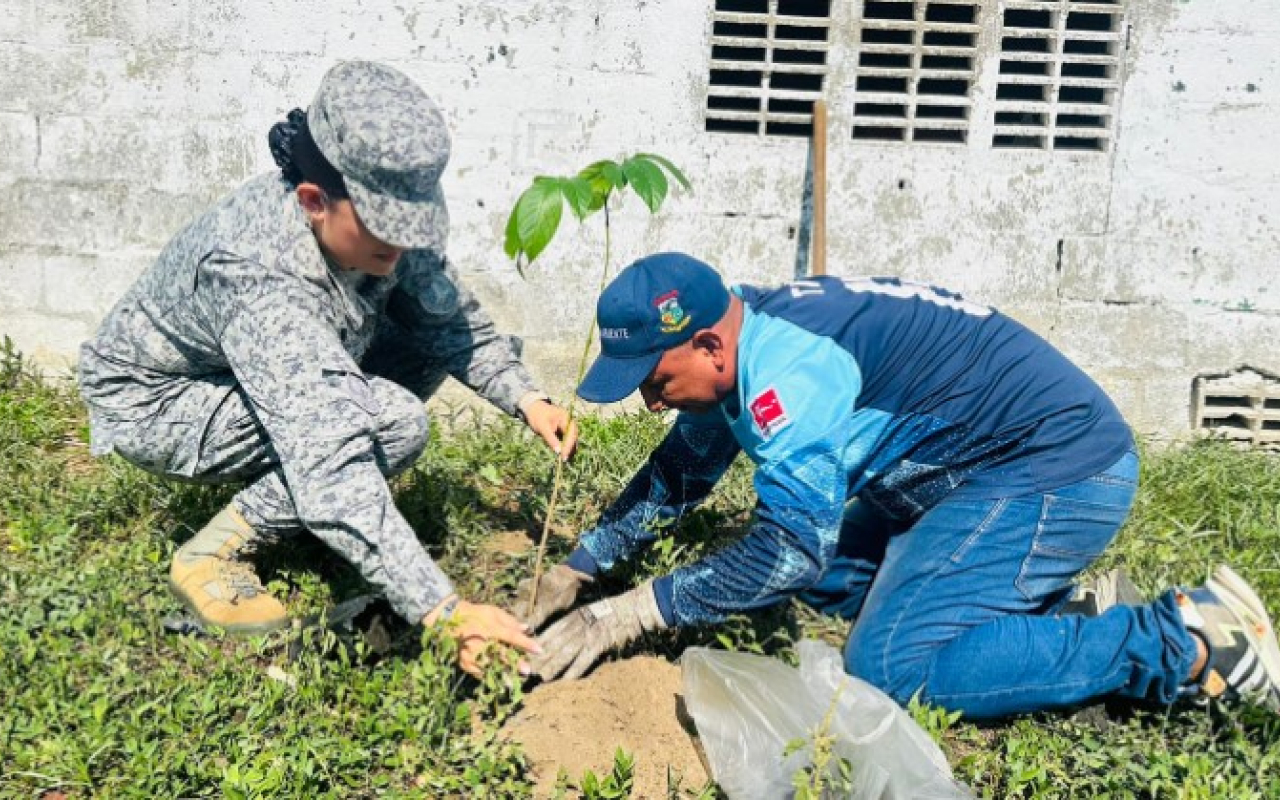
{"points": [[313, 200], [710, 341]]}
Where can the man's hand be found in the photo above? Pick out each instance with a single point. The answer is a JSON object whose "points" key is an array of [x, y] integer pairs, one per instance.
{"points": [[475, 626], [557, 591], [573, 644], [551, 422]]}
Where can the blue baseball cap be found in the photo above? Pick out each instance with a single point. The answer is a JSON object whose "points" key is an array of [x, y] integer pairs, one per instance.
{"points": [[655, 304]]}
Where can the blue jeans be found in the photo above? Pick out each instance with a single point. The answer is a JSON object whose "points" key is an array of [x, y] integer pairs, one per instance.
{"points": [[960, 604]]}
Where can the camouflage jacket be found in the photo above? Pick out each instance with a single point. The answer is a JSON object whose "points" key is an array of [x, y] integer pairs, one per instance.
{"points": [[245, 290]]}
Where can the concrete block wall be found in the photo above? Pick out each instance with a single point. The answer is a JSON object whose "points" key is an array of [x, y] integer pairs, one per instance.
{"points": [[1148, 263]]}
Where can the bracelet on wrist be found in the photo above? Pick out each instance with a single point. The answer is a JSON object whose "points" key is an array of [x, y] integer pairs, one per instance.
{"points": [[446, 611]]}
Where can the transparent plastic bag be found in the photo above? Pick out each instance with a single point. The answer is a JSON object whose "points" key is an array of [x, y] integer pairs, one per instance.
{"points": [[747, 708]]}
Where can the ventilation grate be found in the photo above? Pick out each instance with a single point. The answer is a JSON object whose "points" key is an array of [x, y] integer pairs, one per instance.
{"points": [[915, 71], [1057, 82], [1243, 405], [768, 65]]}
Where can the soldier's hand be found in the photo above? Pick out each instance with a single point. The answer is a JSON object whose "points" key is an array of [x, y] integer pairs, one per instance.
{"points": [[558, 590], [476, 626], [552, 423]]}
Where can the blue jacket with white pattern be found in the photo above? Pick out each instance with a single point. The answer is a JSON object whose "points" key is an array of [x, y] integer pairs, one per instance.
{"points": [[899, 394]]}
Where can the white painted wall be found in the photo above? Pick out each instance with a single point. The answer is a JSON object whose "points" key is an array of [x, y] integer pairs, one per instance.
{"points": [[121, 119]]}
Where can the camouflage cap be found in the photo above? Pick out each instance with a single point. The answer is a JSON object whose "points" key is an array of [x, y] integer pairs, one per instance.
{"points": [[391, 144]]}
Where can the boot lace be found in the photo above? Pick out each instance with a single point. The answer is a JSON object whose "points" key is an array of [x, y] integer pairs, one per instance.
{"points": [[242, 580]]}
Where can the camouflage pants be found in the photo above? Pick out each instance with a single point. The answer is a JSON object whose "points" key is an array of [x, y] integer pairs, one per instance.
{"points": [[187, 442]]}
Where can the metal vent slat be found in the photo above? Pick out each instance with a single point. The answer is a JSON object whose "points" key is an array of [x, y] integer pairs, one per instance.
{"points": [[753, 92], [774, 94], [1242, 405], [925, 97], [755, 66], [1054, 97]]}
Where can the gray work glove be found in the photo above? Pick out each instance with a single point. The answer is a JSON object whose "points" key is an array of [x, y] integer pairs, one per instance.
{"points": [[557, 591], [573, 644]]}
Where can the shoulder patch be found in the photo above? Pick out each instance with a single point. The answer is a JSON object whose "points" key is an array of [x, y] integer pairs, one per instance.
{"points": [[768, 413]]}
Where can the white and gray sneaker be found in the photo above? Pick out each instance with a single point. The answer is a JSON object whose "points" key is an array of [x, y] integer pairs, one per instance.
{"points": [[1112, 588], [1244, 655]]}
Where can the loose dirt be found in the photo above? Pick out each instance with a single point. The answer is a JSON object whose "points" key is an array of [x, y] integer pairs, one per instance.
{"points": [[630, 704], [508, 543]]}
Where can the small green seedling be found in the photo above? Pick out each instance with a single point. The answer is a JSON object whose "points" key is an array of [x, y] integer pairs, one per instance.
{"points": [[617, 785], [533, 224], [827, 775]]}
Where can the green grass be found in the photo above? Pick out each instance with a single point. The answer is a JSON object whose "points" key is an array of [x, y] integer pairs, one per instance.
{"points": [[96, 699]]}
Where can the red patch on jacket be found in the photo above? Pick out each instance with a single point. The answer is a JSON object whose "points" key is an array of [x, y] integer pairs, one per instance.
{"points": [[768, 412]]}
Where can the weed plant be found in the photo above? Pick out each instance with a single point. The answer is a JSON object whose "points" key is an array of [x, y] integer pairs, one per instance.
{"points": [[98, 700]]}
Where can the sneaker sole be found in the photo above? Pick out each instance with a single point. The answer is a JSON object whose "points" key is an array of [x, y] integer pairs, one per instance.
{"points": [[191, 606], [1103, 593], [1120, 590], [1237, 595]]}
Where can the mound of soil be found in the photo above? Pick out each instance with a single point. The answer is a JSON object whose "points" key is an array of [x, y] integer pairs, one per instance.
{"points": [[632, 704]]}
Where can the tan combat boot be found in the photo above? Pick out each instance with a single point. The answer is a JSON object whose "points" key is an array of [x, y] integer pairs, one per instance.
{"points": [[218, 589]]}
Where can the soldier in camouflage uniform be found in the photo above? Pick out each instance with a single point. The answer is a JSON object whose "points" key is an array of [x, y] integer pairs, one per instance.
{"points": [[287, 337]]}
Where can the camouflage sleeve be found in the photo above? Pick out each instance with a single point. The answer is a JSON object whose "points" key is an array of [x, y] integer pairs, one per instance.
{"points": [[320, 413], [446, 319]]}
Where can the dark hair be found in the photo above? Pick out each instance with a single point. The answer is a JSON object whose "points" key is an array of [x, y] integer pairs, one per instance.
{"points": [[299, 159]]}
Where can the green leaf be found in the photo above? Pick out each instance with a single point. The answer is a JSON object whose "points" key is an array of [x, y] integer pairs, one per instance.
{"points": [[672, 168], [615, 173], [603, 177], [647, 180], [537, 216], [511, 244], [608, 170], [579, 195], [490, 473]]}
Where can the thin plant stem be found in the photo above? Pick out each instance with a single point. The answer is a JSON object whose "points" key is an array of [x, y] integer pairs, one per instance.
{"points": [[573, 398]]}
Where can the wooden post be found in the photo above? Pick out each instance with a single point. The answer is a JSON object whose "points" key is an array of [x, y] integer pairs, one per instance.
{"points": [[819, 260]]}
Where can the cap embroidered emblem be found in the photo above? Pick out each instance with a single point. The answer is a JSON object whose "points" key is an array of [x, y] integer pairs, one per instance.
{"points": [[768, 413], [672, 315]]}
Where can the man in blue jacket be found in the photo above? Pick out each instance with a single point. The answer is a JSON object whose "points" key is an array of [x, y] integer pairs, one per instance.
{"points": [[925, 466]]}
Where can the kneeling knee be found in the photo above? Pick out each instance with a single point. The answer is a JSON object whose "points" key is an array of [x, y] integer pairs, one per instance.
{"points": [[900, 681], [419, 432], [405, 438]]}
